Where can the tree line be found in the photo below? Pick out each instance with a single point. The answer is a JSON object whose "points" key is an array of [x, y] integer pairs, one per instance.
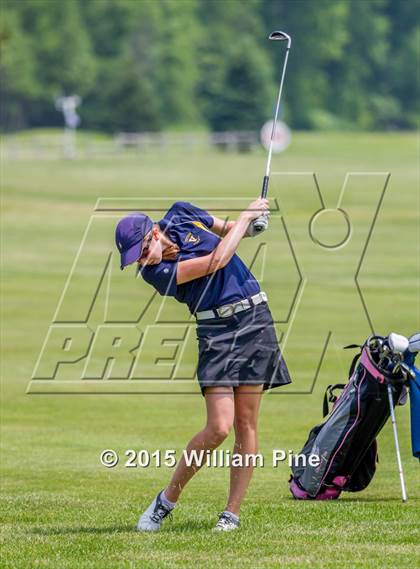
{"points": [[148, 65]]}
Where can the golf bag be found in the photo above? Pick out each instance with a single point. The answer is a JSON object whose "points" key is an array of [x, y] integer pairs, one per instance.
{"points": [[346, 442]]}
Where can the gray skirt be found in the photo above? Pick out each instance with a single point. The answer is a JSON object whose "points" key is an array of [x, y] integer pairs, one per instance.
{"points": [[242, 349]]}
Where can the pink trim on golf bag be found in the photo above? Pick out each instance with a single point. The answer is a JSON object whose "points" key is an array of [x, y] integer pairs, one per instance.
{"points": [[300, 494], [340, 481], [367, 364]]}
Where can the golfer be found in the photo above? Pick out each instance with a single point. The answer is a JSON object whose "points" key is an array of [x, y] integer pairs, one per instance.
{"points": [[191, 255]]}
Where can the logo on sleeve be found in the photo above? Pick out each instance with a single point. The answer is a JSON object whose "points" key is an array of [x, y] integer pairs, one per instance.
{"points": [[190, 238]]}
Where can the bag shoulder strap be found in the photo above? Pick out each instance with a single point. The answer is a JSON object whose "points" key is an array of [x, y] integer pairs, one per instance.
{"points": [[330, 397], [356, 357]]}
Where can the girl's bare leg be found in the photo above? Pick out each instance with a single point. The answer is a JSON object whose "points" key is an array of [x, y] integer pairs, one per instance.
{"points": [[247, 401], [220, 416]]}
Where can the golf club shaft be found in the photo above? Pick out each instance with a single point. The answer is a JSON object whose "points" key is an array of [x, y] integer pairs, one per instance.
{"points": [[264, 190], [397, 446], [273, 130]]}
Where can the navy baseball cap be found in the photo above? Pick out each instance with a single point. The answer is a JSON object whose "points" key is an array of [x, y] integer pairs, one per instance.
{"points": [[129, 236]]}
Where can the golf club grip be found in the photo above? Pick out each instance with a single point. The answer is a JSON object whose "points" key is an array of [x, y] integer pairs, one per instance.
{"points": [[264, 190]]}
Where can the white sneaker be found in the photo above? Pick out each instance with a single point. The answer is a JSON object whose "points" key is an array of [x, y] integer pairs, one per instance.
{"points": [[152, 518], [226, 522]]}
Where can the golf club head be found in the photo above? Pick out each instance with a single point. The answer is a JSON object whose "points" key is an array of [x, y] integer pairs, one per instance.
{"points": [[398, 343], [384, 351], [384, 362], [396, 368], [414, 343], [407, 370], [376, 342], [280, 36]]}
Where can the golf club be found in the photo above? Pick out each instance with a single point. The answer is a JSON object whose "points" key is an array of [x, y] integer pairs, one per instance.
{"points": [[397, 343], [274, 36], [384, 353], [405, 370], [414, 343], [375, 344], [397, 446], [393, 349]]}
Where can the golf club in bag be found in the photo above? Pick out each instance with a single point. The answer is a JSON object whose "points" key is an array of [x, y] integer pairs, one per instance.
{"points": [[346, 442], [274, 36]]}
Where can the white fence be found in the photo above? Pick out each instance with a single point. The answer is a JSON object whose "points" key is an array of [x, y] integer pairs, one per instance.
{"points": [[50, 146]]}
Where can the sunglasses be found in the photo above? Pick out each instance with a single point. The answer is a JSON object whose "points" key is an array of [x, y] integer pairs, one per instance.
{"points": [[144, 252], [146, 246]]}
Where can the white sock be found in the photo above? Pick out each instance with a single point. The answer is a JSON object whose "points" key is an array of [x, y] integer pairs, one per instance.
{"points": [[234, 516], [167, 502]]}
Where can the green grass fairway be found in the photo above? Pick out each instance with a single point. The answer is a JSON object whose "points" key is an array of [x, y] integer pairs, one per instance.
{"points": [[61, 508]]}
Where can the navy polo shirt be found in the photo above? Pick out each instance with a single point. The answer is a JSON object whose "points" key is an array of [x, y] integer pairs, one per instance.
{"points": [[189, 227]]}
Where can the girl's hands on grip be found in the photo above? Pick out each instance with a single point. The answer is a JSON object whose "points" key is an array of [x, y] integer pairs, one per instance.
{"points": [[256, 209]]}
